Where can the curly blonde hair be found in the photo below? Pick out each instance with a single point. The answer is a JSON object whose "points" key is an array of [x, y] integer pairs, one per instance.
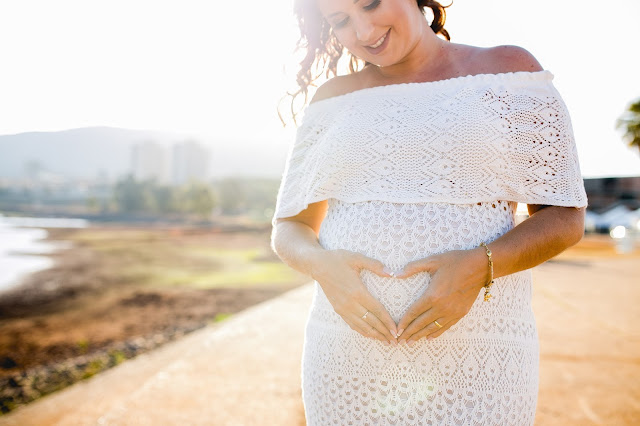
{"points": [[322, 46]]}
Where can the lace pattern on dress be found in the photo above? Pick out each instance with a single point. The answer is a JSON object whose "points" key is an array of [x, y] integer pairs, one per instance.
{"points": [[480, 138], [482, 371]]}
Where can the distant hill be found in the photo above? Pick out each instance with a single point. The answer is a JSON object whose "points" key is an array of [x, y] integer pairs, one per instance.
{"points": [[77, 153], [90, 151]]}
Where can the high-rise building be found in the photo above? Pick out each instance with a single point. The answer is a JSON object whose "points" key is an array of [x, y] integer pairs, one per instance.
{"points": [[190, 161], [149, 161]]}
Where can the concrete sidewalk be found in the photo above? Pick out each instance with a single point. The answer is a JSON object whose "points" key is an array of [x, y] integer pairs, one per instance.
{"points": [[243, 371]]}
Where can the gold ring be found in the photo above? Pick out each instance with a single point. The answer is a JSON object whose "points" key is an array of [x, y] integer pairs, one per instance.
{"points": [[365, 315], [437, 323]]}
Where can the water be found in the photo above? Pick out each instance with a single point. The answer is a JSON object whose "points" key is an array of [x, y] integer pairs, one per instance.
{"points": [[22, 248]]}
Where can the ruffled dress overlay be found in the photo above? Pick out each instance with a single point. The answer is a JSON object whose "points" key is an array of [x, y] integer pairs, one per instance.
{"points": [[411, 170]]}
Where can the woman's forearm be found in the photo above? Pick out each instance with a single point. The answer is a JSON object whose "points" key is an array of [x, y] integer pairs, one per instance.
{"points": [[296, 244], [543, 235]]}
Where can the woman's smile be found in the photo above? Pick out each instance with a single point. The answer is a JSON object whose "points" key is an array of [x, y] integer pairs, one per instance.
{"points": [[380, 45]]}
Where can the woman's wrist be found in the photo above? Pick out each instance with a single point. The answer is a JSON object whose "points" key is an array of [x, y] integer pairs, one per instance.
{"points": [[314, 261], [480, 266]]}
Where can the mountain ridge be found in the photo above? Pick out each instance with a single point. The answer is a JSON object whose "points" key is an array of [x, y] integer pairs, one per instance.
{"points": [[106, 151]]}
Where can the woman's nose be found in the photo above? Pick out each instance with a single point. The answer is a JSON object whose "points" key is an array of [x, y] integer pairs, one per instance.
{"points": [[364, 30]]}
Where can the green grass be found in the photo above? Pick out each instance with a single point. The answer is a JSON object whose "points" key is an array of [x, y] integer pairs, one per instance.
{"points": [[153, 258], [83, 345], [95, 366], [240, 275], [221, 316], [117, 356]]}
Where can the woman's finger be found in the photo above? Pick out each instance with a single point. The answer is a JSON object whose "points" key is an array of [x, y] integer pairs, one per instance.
{"points": [[443, 329], [374, 321], [367, 329], [427, 264], [420, 322], [387, 326], [415, 311], [374, 265], [437, 325], [371, 303]]}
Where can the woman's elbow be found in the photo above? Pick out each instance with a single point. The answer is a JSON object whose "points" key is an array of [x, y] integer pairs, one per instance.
{"points": [[577, 226], [273, 240]]}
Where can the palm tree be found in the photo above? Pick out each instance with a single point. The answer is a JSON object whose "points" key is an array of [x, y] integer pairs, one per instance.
{"points": [[629, 123]]}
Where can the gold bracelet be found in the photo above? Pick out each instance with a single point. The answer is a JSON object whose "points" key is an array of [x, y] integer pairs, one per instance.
{"points": [[488, 285]]}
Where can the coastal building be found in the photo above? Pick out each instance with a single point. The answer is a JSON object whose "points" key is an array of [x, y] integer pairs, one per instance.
{"points": [[149, 161], [613, 202], [603, 193], [190, 161]]}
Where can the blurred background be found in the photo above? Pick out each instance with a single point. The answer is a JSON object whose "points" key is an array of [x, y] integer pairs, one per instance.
{"points": [[141, 151]]}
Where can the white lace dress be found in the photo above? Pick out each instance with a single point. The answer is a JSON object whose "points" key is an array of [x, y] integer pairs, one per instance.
{"points": [[411, 170]]}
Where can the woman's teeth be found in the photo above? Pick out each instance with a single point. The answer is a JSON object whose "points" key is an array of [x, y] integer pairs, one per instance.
{"points": [[379, 41]]}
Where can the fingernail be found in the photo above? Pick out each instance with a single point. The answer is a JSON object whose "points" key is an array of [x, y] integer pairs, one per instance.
{"points": [[387, 271], [410, 343], [403, 341], [386, 343], [430, 338], [393, 333], [400, 331]]}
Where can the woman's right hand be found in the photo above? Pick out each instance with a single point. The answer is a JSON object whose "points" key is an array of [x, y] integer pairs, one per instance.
{"points": [[338, 273]]}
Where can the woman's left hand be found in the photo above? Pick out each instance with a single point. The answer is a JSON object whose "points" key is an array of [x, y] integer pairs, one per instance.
{"points": [[456, 278]]}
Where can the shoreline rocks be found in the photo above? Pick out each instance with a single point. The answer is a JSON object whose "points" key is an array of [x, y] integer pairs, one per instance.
{"points": [[28, 385]]}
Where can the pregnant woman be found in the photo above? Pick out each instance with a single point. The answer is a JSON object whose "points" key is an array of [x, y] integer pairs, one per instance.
{"points": [[398, 198]]}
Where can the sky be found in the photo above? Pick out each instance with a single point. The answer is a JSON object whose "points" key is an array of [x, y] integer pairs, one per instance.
{"points": [[217, 70]]}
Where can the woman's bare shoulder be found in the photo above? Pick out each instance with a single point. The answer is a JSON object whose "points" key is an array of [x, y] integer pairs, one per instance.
{"points": [[507, 58], [336, 86]]}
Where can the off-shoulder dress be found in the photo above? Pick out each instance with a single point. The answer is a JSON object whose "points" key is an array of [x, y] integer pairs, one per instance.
{"points": [[410, 170]]}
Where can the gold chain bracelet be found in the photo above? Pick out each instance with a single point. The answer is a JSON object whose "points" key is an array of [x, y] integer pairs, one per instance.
{"points": [[488, 285]]}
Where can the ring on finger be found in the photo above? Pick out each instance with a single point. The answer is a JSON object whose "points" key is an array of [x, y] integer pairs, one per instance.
{"points": [[437, 323], [364, 317]]}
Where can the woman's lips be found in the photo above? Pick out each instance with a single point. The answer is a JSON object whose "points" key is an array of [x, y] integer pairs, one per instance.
{"points": [[380, 48]]}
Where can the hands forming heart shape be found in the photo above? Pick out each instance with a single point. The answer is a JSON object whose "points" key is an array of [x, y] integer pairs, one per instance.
{"points": [[456, 278]]}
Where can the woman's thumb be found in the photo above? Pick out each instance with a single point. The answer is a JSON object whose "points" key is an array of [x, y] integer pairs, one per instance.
{"points": [[376, 266], [421, 265]]}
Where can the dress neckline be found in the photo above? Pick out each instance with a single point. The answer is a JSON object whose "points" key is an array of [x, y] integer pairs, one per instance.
{"points": [[542, 75]]}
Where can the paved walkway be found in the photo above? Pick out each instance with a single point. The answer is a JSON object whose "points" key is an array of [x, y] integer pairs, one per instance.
{"points": [[587, 315], [246, 370]]}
